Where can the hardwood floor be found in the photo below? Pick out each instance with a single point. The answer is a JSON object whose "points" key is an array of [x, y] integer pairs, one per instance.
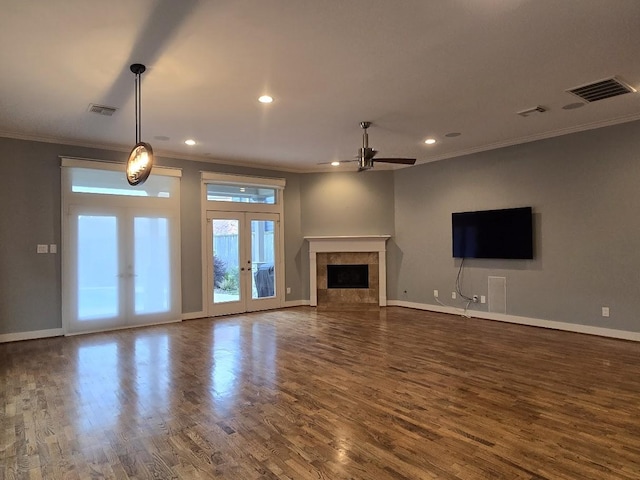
{"points": [[301, 394]]}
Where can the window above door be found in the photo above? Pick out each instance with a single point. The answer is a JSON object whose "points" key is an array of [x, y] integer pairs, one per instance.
{"points": [[217, 192], [228, 192]]}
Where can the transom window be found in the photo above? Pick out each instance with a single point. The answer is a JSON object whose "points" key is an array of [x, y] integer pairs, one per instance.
{"points": [[109, 182], [218, 192]]}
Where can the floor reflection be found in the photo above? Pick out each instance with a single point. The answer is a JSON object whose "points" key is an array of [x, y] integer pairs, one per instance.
{"points": [[142, 376], [98, 386], [263, 354], [151, 357], [227, 364]]}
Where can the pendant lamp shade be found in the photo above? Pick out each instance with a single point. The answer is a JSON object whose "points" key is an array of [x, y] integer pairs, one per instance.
{"points": [[140, 159]]}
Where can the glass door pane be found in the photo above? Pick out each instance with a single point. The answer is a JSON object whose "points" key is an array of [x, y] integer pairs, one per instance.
{"points": [[263, 259], [243, 263], [121, 268], [97, 267], [151, 265], [226, 260], [263, 251]]}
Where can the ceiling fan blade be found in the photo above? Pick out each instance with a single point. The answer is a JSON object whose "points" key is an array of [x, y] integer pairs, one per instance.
{"points": [[402, 161], [341, 161]]}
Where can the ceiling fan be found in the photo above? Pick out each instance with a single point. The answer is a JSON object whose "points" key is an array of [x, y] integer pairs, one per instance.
{"points": [[365, 157]]}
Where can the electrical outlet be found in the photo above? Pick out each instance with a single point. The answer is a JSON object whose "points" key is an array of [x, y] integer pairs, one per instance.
{"points": [[483, 299], [453, 295], [475, 299], [53, 248], [288, 289], [435, 293], [605, 311]]}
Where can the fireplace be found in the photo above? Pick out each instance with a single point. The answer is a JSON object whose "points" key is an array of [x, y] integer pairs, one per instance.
{"points": [[348, 272], [348, 276]]}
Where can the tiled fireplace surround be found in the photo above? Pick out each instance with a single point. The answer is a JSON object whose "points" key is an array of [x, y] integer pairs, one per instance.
{"points": [[348, 250]]}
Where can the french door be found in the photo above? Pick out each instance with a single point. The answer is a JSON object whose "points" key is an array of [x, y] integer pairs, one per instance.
{"points": [[243, 273], [121, 271]]}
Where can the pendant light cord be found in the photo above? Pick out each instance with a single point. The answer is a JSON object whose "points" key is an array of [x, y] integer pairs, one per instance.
{"points": [[138, 109]]}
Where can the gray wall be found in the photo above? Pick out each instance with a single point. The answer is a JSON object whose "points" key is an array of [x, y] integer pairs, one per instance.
{"points": [[583, 188], [30, 288], [584, 192], [346, 203], [30, 197]]}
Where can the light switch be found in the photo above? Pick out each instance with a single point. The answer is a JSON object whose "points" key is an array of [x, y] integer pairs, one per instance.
{"points": [[53, 248], [42, 248]]}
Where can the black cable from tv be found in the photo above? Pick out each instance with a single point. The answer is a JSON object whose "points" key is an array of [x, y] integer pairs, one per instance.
{"points": [[458, 283]]}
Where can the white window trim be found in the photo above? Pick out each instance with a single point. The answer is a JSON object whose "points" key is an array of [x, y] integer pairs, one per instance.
{"points": [[115, 166], [232, 179]]}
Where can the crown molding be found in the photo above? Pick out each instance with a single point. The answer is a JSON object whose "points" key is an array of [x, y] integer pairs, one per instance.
{"points": [[157, 152], [532, 138]]}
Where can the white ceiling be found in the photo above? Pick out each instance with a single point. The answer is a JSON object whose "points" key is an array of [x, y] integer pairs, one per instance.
{"points": [[415, 68]]}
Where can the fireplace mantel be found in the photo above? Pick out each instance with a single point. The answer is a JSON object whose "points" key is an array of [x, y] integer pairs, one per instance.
{"points": [[348, 243]]}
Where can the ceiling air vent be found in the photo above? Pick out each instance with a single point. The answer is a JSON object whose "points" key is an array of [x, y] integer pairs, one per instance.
{"points": [[612, 87], [102, 109]]}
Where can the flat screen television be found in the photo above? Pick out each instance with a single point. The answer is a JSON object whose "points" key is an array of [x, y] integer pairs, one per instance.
{"points": [[506, 233]]}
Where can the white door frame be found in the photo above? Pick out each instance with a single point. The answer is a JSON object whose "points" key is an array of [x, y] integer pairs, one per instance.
{"points": [[166, 207], [246, 302], [253, 209]]}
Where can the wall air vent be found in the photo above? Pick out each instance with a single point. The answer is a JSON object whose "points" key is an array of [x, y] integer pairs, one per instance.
{"points": [[102, 109], [611, 87]]}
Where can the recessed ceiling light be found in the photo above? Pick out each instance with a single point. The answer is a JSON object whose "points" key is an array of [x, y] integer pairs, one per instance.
{"points": [[453, 134], [190, 142], [162, 138], [430, 141], [335, 164], [265, 99]]}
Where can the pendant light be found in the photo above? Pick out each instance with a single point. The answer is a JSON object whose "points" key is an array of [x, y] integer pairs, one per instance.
{"points": [[141, 157]]}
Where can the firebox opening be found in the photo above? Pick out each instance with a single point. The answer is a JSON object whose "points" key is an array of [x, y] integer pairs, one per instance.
{"points": [[348, 276]]}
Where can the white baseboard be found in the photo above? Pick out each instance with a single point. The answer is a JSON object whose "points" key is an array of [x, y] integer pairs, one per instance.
{"points": [[286, 304], [532, 322], [126, 327], [15, 337], [296, 303]]}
